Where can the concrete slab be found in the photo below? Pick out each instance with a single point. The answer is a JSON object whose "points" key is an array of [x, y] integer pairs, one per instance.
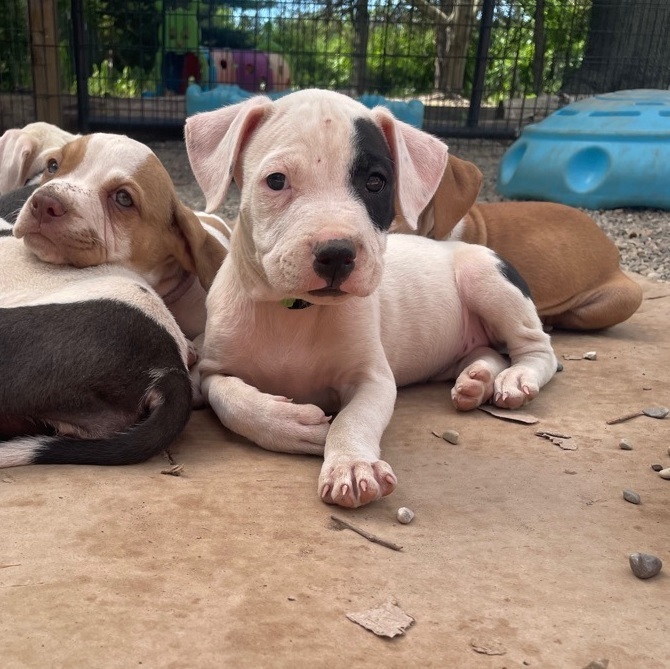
{"points": [[517, 545]]}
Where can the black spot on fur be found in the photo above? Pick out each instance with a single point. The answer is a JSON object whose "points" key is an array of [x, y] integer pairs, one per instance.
{"points": [[511, 274], [91, 363], [372, 158]]}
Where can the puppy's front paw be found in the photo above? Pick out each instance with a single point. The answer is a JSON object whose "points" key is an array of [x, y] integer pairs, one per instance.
{"points": [[515, 387], [294, 428], [356, 482], [473, 387]]}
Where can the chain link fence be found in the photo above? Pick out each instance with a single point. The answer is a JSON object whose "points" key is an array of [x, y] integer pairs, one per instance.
{"points": [[480, 68]]}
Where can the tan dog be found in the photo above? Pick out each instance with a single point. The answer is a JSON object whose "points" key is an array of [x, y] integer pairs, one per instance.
{"points": [[24, 151], [108, 199], [570, 265]]}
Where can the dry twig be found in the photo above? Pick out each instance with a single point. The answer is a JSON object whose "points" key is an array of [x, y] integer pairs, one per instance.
{"points": [[370, 537]]}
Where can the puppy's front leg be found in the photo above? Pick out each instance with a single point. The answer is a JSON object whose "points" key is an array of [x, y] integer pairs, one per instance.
{"points": [[352, 473], [273, 422]]}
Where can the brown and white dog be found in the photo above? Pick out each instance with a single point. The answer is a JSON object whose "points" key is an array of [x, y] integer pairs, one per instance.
{"points": [[571, 266], [94, 366], [24, 151], [315, 302], [108, 199]]}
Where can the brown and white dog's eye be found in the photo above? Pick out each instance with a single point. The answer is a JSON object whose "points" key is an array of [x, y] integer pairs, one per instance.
{"points": [[52, 166], [276, 181], [375, 183], [123, 198]]}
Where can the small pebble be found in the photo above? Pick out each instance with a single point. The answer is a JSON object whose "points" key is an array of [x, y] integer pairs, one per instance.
{"points": [[665, 474], [625, 445], [405, 515], [631, 496], [590, 355], [644, 565], [657, 468], [451, 436]]}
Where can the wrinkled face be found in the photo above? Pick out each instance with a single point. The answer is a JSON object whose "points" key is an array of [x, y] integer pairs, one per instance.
{"points": [[317, 199], [103, 198]]}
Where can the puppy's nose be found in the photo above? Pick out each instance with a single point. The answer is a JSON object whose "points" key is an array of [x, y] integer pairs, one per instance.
{"points": [[45, 207], [334, 260]]}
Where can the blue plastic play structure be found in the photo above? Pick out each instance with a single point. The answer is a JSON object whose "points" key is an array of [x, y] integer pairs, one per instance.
{"points": [[602, 152], [199, 100]]}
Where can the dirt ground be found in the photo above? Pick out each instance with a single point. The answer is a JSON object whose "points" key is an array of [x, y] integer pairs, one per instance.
{"points": [[517, 547]]}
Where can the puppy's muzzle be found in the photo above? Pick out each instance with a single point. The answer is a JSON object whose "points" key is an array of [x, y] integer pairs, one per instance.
{"points": [[334, 261], [46, 208]]}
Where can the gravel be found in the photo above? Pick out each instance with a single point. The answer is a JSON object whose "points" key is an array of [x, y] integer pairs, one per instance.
{"points": [[642, 235]]}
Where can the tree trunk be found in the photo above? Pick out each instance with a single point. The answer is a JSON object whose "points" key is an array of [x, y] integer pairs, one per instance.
{"points": [[465, 17], [626, 47], [361, 21]]}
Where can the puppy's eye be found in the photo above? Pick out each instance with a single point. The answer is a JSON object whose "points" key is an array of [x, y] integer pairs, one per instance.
{"points": [[276, 181], [52, 166], [375, 183], [123, 198]]}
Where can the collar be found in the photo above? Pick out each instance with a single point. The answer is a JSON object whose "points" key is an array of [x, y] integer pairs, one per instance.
{"points": [[183, 284], [295, 303]]}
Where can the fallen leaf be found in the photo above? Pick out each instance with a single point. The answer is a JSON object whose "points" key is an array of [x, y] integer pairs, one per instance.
{"points": [[510, 414], [569, 356], [175, 470], [488, 647], [388, 620], [560, 440]]}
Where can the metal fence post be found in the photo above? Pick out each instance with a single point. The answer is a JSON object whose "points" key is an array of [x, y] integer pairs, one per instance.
{"points": [[80, 64], [483, 44]]}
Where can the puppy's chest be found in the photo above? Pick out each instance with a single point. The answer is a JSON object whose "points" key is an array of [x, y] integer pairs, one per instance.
{"points": [[292, 355]]}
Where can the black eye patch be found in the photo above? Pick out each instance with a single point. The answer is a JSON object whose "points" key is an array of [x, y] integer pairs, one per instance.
{"points": [[371, 174]]}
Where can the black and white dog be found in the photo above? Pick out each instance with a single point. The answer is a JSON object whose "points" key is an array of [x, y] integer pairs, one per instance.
{"points": [[94, 367]]}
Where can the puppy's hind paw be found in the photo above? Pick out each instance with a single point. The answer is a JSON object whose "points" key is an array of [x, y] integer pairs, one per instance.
{"points": [[356, 482], [515, 387], [473, 387]]}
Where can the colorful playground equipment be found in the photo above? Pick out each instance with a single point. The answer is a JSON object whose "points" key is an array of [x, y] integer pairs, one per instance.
{"points": [[601, 152]]}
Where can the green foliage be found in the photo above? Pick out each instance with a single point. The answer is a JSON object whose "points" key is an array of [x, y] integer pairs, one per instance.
{"points": [[509, 70], [15, 73], [106, 82]]}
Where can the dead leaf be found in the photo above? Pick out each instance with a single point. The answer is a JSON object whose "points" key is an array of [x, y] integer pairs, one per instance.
{"points": [[560, 440], [388, 620], [569, 356], [598, 664], [510, 414], [488, 647]]}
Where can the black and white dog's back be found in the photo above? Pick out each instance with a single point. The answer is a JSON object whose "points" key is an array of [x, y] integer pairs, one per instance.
{"points": [[10, 206], [94, 367]]}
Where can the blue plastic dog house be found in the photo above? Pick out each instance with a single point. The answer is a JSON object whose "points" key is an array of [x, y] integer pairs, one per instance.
{"points": [[199, 100], [602, 152]]}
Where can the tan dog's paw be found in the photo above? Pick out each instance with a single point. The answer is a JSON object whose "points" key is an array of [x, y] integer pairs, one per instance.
{"points": [[294, 428], [515, 387], [473, 387], [356, 482]]}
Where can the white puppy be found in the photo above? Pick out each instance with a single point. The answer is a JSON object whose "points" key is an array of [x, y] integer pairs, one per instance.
{"points": [[316, 303], [24, 152]]}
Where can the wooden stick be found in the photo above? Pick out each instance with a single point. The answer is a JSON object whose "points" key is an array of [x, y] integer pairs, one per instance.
{"points": [[621, 419], [370, 537]]}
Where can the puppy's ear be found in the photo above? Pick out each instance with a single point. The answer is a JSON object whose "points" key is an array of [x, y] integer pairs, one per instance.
{"points": [[17, 153], [214, 141], [203, 254], [419, 159], [455, 195]]}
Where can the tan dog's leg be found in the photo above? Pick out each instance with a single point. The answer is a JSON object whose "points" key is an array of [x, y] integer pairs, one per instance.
{"points": [[610, 303]]}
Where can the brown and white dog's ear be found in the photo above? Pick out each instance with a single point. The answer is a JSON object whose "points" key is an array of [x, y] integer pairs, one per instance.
{"points": [[203, 254], [420, 160], [457, 192], [17, 153], [214, 141]]}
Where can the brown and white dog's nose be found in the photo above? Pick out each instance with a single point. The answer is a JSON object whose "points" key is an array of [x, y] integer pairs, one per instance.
{"points": [[334, 260], [45, 207]]}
